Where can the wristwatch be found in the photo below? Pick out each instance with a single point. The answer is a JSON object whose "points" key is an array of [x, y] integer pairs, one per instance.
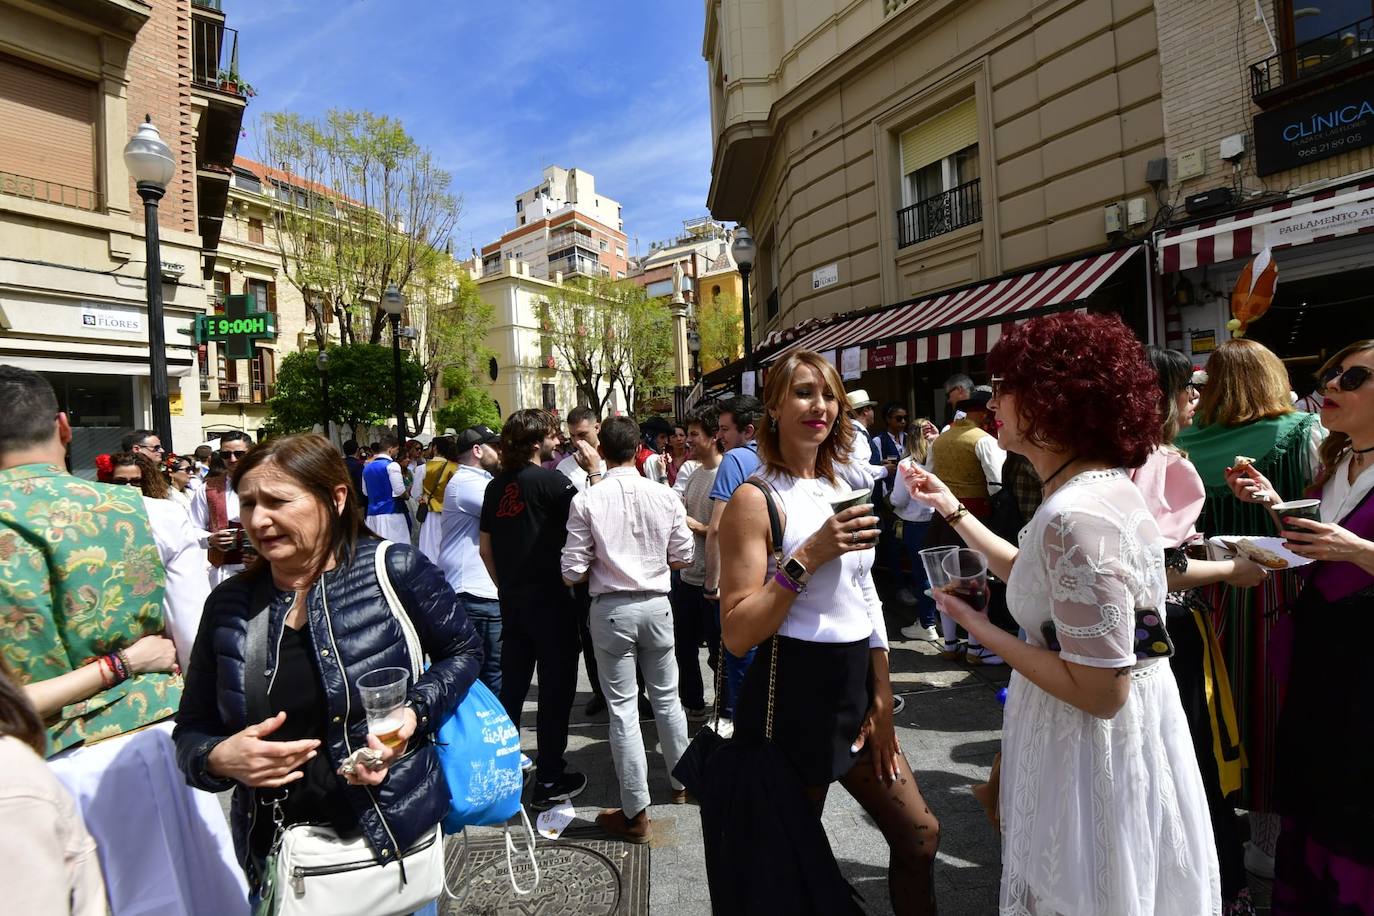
{"points": [[794, 570]]}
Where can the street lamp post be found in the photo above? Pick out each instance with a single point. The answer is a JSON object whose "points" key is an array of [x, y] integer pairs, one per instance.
{"points": [[743, 250], [150, 162], [393, 303], [694, 347], [322, 363]]}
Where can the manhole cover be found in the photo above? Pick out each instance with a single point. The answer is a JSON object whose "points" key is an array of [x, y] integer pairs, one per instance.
{"points": [[591, 877]]}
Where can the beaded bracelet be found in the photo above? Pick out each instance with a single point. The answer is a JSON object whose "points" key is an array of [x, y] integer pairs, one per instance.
{"points": [[117, 664], [124, 660]]}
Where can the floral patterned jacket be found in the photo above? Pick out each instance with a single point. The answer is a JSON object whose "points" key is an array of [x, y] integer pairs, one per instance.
{"points": [[80, 577]]}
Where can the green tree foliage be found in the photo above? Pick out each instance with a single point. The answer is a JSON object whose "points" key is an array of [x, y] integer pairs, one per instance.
{"points": [[364, 207], [467, 405], [453, 345], [576, 320], [721, 326], [645, 358], [360, 388]]}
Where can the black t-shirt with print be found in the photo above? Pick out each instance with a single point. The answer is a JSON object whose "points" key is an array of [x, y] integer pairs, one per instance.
{"points": [[526, 514]]}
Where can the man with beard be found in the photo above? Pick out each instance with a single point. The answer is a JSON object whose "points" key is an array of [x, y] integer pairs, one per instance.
{"points": [[524, 524], [459, 554]]}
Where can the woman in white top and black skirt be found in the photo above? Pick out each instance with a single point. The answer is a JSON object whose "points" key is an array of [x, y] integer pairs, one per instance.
{"points": [[833, 703]]}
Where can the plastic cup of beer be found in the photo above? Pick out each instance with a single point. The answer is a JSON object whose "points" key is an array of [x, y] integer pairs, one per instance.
{"points": [[384, 695], [967, 573]]}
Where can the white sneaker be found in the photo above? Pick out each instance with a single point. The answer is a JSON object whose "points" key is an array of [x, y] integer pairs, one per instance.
{"points": [[1258, 862], [915, 631], [906, 597]]}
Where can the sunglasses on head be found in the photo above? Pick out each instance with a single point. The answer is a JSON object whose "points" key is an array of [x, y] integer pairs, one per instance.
{"points": [[1346, 379]]}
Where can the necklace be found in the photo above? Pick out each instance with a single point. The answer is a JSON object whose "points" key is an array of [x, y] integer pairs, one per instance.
{"points": [[1046, 482], [1359, 453]]}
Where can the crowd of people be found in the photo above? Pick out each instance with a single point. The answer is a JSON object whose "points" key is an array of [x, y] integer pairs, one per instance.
{"points": [[192, 624]]}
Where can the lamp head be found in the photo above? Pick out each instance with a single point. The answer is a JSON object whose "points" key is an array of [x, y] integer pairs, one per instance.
{"points": [[149, 160], [743, 248], [322, 361], [393, 303], [694, 341]]}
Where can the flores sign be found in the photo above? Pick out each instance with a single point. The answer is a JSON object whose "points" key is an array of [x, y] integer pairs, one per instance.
{"points": [[1315, 128]]}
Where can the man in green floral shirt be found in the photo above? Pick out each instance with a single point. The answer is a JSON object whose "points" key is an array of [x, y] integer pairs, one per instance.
{"points": [[81, 582]]}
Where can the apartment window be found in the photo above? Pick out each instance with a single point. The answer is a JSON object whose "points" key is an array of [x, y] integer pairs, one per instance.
{"points": [[940, 179], [1303, 22], [715, 292], [620, 275], [620, 251], [605, 245], [519, 205], [39, 103], [221, 290], [550, 396], [255, 230], [247, 181], [264, 293]]}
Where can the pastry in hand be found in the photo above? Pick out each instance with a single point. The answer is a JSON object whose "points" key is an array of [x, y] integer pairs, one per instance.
{"points": [[1261, 555]]}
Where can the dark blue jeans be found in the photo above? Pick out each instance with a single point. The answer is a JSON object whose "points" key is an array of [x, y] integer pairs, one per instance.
{"points": [[735, 667], [914, 539], [485, 614]]}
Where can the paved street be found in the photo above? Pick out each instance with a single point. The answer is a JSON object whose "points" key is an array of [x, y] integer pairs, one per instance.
{"points": [[950, 731]]}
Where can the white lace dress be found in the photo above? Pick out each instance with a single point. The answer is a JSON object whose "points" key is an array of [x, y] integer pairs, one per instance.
{"points": [[1099, 817]]}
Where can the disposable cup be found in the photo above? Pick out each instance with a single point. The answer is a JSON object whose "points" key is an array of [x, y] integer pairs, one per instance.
{"points": [[1310, 509], [383, 692], [841, 501], [931, 559], [967, 572]]}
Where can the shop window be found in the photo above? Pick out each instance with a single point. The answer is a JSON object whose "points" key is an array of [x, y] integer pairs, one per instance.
{"points": [[255, 234], [940, 177]]}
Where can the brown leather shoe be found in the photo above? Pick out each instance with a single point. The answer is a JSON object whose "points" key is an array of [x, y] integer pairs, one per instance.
{"points": [[681, 797], [635, 830]]}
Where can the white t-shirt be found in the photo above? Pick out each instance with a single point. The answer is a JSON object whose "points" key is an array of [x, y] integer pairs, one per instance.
{"points": [[570, 469], [459, 556]]}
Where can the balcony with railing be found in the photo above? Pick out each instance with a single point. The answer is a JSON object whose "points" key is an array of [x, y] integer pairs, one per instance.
{"points": [[215, 59], [1340, 53], [954, 209], [49, 192], [245, 393], [574, 264]]}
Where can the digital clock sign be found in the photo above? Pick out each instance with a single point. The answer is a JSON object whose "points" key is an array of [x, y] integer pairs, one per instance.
{"points": [[238, 328]]}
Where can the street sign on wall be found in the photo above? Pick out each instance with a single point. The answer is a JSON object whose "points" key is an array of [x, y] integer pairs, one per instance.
{"points": [[238, 329], [1316, 127]]}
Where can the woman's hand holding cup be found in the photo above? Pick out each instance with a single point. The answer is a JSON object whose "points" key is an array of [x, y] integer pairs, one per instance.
{"points": [[855, 528]]}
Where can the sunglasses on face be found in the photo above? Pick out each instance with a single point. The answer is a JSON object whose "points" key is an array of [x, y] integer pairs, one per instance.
{"points": [[136, 482], [154, 448], [231, 456], [1346, 379]]}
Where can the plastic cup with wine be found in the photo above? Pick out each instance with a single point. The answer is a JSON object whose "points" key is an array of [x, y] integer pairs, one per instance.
{"points": [[384, 695], [966, 572]]}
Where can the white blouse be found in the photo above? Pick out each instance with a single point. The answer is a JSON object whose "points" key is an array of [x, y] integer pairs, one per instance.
{"points": [[839, 603], [1340, 496]]}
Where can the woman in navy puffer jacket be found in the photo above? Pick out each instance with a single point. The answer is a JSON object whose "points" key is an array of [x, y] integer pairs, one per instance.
{"points": [[328, 623]]}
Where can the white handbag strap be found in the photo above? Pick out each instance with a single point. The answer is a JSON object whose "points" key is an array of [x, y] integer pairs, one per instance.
{"points": [[417, 653]]}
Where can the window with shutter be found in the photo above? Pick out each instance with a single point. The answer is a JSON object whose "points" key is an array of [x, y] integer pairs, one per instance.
{"points": [[37, 102], [255, 231], [941, 190], [939, 137]]}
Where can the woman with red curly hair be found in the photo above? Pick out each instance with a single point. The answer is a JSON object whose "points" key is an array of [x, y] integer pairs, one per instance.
{"points": [[1103, 807]]}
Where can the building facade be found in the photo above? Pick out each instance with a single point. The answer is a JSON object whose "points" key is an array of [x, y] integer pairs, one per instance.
{"points": [[76, 78], [562, 225], [525, 370], [1270, 117], [882, 151]]}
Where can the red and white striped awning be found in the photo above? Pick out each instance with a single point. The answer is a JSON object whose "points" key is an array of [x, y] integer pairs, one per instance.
{"points": [[964, 322], [1315, 218]]}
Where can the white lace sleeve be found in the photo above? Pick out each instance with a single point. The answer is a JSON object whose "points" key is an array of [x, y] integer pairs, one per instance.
{"points": [[1092, 600]]}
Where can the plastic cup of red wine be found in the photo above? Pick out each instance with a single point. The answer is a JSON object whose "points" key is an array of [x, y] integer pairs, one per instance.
{"points": [[966, 573]]}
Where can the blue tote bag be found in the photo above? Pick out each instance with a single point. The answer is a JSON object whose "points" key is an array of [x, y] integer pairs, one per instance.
{"points": [[479, 749]]}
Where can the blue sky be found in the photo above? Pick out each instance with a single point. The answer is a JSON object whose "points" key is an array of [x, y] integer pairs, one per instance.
{"points": [[497, 90]]}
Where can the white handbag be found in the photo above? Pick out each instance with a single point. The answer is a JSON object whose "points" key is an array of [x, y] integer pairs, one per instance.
{"points": [[316, 871], [320, 872]]}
